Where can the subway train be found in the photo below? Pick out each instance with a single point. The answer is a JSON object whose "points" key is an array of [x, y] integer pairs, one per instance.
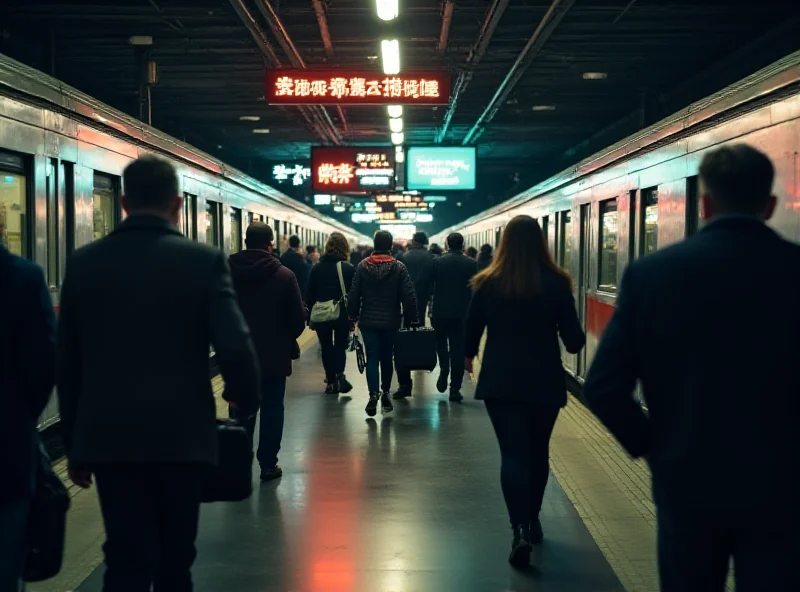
{"points": [[641, 194], [62, 154]]}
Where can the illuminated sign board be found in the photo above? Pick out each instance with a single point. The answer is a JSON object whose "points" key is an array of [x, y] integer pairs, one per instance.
{"points": [[297, 173], [352, 169], [400, 231], [440, 167], [287, 86], [322, 200]]}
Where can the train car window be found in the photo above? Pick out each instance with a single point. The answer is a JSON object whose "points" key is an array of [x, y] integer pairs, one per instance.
{"points": [[565, 249], [649, 242], [54, 186], [545, 226], [14, 232], [236, 230], [609, 218], [253, 217], [188, 221], [694, 215], [212, 224], [104, 204]]}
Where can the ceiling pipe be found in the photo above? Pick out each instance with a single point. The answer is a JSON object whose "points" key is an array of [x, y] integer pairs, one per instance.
{"points": [[490, 22], [285, 41], [324, 32], [447, 20], [558, 9]]}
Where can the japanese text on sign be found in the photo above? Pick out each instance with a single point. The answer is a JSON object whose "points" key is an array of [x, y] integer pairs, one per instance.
{"points": [[345, 169], [298, 173]]}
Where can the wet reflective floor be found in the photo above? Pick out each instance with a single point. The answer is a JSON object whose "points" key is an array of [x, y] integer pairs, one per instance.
{"points": [[405, 502]]}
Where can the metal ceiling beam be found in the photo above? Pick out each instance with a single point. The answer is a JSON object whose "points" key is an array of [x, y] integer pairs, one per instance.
{"points": [[447, 19], [558, 9], [490, 22], [324, 32]]}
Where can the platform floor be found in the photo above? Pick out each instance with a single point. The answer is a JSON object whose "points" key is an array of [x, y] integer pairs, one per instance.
{"points": [[405, 502]]}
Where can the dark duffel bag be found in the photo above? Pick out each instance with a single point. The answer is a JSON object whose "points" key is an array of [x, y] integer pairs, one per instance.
{"points": [[47, 520], [232, 479], [415, 349]]}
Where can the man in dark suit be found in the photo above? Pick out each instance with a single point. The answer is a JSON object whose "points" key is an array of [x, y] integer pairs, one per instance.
{"points": [[702, 325], [295, 260], [451, 275], [27, 376], [139, 310], [419, 262]]}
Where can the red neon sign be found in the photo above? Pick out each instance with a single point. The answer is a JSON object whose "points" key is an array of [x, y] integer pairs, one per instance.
{"points": [[352, 169], [287, 86]]}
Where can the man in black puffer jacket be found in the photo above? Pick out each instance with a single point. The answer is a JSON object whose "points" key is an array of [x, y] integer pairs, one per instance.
{"points": [[381, 285]]}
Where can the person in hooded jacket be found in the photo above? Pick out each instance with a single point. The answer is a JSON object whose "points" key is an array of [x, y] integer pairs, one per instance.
{"points": [[270, 299], [484, 257], [382, 285], [324, 285], [294, 258]]}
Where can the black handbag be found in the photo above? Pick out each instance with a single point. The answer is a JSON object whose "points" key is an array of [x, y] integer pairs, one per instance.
{"points": [[415, 349], [232, 479], [47, 521], [358, 347]]}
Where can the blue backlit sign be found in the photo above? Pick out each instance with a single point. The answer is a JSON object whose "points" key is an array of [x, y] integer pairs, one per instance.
{"points": [[440, 168]]}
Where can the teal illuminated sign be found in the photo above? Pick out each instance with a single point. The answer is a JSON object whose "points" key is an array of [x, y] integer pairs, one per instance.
{"points": [[440, 168]]}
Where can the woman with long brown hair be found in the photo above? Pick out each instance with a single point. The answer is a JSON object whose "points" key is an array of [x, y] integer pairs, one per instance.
{"points": [[525, 302]]}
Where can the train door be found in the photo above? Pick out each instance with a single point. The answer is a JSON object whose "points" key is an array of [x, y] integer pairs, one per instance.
{"points": [[584, 266], [564, 249]]}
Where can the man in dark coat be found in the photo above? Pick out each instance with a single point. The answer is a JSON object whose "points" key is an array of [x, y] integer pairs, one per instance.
{"points": [[382, 285], [27, 377], [701, 325], [485, 257], [140, 309], [273, 307], [294, 260], [419, 262], [451, 275]]}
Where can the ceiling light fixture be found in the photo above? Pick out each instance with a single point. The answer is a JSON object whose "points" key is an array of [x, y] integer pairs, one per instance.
{"points": [[388, 10], [390, 52], [595, 75], [544, 107], [249, 118], [396, 125], [398, 138], [261, 130], [400, 156], [395, 110]]}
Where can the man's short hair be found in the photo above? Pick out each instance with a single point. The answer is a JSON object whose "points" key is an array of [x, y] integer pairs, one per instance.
{"points": [[294, 241], [150, 184], [258, 236], [420, 238], [310, 249], [455, 241], [383, 241], [738, 179]]}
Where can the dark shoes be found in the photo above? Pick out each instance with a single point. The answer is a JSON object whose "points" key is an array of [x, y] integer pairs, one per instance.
{"points": [[537, 535], [402, 392], [372, 405], [441, 384], [271, 473], [456, 396], [386, 403], [521, 547], [332, 388], [343, 384]]}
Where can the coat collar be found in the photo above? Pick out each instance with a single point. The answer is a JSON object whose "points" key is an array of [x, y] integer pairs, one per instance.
{"points": [[148, 222], [736, 222]]}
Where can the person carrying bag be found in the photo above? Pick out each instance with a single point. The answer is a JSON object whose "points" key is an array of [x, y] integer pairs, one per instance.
{"points": [[330, 310]]}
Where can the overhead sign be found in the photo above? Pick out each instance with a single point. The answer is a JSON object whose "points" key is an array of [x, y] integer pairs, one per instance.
{"points": [[352, 169], [441, 167], [400, 231], [322, 200], [297, 173], [286, 86]]}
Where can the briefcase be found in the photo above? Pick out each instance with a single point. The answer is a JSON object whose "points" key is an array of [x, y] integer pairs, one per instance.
{"points": [[415, 349], [232, 479]]}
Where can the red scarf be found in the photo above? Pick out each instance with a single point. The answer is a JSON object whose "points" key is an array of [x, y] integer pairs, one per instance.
{"points": [[380, 259]]}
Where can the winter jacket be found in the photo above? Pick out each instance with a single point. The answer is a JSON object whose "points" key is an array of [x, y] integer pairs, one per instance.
{"points": [[381, 285], [272, 306], [323, 282], [296, 263], [484, 260], [419, 262], [452, 273]]}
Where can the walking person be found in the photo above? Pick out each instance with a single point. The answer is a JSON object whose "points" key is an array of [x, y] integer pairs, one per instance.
{"points": [[472, 253], [329, 282], [452, 273], [146, 432], [719, 379], [419, 262], [484, 257], [294, 259], [381, 291], [27, 377], [270, 299], [525, 302]]}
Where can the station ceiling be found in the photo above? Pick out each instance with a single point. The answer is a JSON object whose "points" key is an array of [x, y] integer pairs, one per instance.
{"points": [[657, 56]]}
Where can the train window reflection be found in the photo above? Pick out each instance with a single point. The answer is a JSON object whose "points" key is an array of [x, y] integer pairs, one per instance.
{"points": [[236, 230], [649, 220], [212, 223], [609, 218], [188, 219], [14, 213], [565, 249], [103, 205]]}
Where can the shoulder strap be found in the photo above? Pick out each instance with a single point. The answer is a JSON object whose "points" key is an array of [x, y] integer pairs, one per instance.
{"points": [[341, 279]]}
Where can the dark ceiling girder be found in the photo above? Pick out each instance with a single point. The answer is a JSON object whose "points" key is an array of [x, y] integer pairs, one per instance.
{"points": [[447, 19], [558, 9], [490, 22], [325, 34]]}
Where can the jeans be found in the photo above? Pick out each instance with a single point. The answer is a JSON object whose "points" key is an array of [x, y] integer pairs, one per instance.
{"points": [[450, 347], [13, 528], [270, 429], [150, 512], [379, 344], [523, 431], [333, 343], [403, 375]]}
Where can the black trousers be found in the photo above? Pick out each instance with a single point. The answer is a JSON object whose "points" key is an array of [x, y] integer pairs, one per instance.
{"points": [[150, 512], [695, 548], [404, 375], [450, 348], [333, 344], [523, 431]]}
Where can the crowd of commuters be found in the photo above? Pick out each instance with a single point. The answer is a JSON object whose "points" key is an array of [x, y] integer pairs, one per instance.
{"points": [[719, 434]]}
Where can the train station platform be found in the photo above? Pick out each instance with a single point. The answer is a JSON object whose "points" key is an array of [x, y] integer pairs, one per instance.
{"points": [[407, 501]]}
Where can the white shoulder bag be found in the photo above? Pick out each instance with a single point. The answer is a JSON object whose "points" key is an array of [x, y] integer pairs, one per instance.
{"points": [[330, 310]]}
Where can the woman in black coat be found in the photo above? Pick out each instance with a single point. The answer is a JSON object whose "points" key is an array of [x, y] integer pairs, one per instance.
{"points": [[324, 285], [525, 301]]}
